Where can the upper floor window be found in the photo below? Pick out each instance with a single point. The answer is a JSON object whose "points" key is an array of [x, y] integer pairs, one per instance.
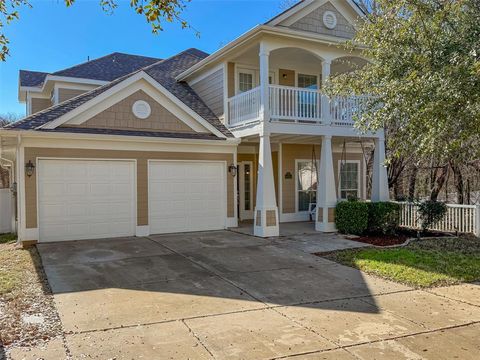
{"points": [[246, 80], [307, 81], [349, 179]]}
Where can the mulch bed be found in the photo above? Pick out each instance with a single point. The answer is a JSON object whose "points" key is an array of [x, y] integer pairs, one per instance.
{"points": [[395, 239]]}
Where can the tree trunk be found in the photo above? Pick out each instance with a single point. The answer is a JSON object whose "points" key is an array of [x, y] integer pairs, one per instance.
{"points": [[458, 182], [412, 181], [438, 178]]}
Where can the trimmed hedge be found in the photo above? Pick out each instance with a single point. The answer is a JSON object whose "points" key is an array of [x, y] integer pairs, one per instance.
{"points": [[351, 217], [383, 217]]}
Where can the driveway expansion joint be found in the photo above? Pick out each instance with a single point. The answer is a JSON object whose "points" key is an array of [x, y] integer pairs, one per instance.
{"points": [[198, 339]]}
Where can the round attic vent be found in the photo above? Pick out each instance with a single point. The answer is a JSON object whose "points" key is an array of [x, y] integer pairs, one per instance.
{"points": [[329, 20], [141, 109]]}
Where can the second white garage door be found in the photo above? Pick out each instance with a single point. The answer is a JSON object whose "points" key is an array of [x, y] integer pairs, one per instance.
{"points": [[186, 196], [85, 199]]}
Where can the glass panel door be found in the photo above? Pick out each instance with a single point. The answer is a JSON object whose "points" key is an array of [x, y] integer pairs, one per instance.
{"points": [[245, 174]]}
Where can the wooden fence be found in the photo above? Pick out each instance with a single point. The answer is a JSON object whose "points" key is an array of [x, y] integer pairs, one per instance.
{"points": [[458, 218]]}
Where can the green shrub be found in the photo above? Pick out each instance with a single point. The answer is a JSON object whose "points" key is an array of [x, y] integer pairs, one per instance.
{"points": [[351, 217], [383, 217], [430, 212]]}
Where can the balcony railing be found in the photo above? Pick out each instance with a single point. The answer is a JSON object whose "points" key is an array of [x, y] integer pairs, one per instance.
{"points": [[295, 105]]}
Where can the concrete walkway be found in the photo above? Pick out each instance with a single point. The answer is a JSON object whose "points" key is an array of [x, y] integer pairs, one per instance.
{"points": [[225, 295]]}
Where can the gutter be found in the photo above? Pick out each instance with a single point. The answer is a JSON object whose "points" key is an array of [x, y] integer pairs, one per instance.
{"points": [[125, 138]]}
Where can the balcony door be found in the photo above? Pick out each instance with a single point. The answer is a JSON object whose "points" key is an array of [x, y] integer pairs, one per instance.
{"points": [[308, 102], [245, 189]]}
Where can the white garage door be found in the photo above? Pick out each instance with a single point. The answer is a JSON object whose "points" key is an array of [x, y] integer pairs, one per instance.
{"points": [[186, 196], [80, 199]]}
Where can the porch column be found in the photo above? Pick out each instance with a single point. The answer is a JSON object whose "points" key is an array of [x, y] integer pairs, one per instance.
{"points": [[266, 210], [326, 118], [326, 192], [264, 95], [379, 177]]}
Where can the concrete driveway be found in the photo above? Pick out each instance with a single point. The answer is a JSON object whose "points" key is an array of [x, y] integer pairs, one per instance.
{"points": [[225, 295]]}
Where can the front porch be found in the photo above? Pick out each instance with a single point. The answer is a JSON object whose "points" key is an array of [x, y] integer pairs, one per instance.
{"points": [[293, 179]]}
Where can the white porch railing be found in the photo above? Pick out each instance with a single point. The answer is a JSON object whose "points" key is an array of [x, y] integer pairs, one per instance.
{"points": [[244, 108], [296, 105], [344, 109], [461, 218]]}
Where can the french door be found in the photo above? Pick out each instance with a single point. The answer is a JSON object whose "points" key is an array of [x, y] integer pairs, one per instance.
{"points": [[245, 174]]}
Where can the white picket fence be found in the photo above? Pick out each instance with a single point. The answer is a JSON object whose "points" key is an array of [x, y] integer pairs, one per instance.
{"points": [[5, 211], [459, 218]]}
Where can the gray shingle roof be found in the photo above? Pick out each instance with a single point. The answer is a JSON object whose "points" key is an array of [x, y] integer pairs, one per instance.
{"points": [[32, 78], [105, 68], [163, 72], [161, 134]]}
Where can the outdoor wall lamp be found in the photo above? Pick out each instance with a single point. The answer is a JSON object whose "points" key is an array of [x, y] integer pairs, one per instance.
{"points": [[232, 169], [29, 168]]}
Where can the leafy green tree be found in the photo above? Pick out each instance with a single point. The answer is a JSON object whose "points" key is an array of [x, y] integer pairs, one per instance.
{"points": [[424, 74], [154, 11]]}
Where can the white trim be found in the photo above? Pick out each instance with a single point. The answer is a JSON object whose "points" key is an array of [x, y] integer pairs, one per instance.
{"points": [[142, 230], [225, 93], [296, 182], [280, 177], [293, 10], [134, 185], [122, 85], [245, 214], [258, 30], [359, 170], [227, 221], [32, 234], [103, 139], [232, 222]]}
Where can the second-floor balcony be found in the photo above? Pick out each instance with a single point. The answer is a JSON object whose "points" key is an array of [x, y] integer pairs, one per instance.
{"points": [[295, 105]]}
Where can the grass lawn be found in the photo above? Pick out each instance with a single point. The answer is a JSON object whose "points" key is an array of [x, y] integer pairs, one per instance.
{"points": [[424, 263], [24, 293]]}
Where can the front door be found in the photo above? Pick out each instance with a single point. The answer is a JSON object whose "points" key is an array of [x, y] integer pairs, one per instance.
{"points": [[245, 174]]}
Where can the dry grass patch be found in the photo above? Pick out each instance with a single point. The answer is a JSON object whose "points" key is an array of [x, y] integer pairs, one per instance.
{"points": [[27, 312]]}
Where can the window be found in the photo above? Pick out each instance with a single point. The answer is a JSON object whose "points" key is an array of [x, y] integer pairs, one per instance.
{"points": [[307, 101], [246, 80], [349, 176], [307, 81], [247, 185], [306, 184]]}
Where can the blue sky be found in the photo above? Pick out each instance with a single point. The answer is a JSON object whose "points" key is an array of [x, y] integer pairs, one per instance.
{"points": [[50, 37]]}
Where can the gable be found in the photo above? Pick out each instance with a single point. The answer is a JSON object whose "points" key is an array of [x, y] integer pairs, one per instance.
{"points": [[120, 116], [314, 22]]}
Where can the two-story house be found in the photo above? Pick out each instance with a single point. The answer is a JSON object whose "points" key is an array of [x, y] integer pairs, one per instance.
{"points": [[127, 145]]}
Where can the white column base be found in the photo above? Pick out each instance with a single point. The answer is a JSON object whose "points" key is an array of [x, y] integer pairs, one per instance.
{"points": [[232, 222], [30, 234], [143, 230], [325, 219], [265, 223]]}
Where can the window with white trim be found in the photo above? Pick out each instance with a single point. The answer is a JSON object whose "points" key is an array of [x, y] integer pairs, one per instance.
{"points": [[349, 179], [306, 174], [246, 80]]}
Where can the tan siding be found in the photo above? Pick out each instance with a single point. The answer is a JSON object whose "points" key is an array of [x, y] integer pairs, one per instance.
{"points": [[210, 89], [313, 22], [65, 94], [120, 116], [40, 104], [286, 77], [292, 152], [142, 174]]}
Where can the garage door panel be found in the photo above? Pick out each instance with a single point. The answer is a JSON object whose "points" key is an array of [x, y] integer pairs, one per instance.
{"points": [[186, 196], [87, 199]]}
